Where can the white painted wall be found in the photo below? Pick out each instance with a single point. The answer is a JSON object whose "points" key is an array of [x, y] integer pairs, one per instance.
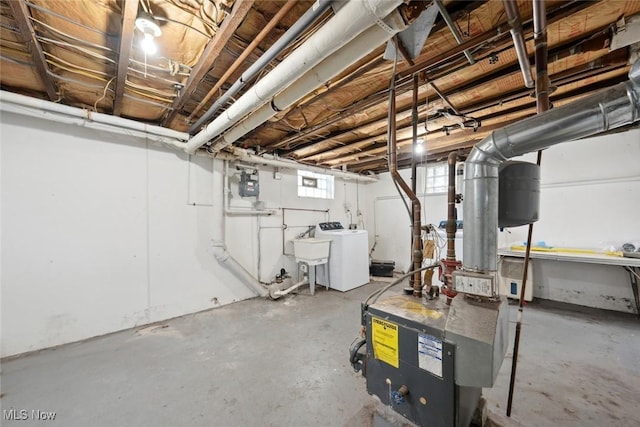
{"points": [[101, 233], [589, 199]]}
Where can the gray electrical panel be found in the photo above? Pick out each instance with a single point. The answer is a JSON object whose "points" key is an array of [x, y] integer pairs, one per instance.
{"points": [[249, 185]]}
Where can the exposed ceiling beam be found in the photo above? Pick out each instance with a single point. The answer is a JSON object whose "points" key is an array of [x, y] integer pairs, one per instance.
{"points": [[130, 11], [444, 142], [21, 15], [492, 36], [284, 10], [310, 149], [211, 52]]}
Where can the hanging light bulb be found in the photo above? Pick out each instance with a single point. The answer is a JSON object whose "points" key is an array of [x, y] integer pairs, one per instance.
{"points": [[419, 147], [148, 44], [150, 28]]}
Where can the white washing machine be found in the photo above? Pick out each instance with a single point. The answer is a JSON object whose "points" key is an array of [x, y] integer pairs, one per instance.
{"points": [[348, 265]]}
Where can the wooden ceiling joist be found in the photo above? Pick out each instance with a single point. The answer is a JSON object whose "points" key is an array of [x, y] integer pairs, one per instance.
{"points": [[130, 11], [21, 15], [211, 52]]}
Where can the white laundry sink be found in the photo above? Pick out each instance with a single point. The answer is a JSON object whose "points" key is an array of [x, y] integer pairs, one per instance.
{"points": [[312, 251]]}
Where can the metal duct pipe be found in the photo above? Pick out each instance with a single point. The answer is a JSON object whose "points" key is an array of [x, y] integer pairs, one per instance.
{"points": [[309, 17], [351, 20], [416, 228], [358, 48], [245, 156], [513, 16], [609, 109]]}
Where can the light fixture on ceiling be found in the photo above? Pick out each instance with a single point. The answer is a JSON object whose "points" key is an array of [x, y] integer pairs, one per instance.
{"points": [[149, 27], [419, 145]]}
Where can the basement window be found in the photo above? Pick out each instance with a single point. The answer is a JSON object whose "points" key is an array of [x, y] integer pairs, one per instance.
{"points": [[316, 185], [437, 177]]}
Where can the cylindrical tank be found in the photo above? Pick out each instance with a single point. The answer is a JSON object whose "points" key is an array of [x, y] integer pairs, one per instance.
{"points": [[518, 193]]}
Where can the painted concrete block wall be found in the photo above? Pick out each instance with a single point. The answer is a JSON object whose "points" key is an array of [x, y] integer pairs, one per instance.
{"points": [[101, 233], [261, 249], [589, 199]]}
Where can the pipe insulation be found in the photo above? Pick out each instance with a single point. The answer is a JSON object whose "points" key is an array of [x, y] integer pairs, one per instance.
{"points": [[351, 20], [608, 109], [349, 54], [310, 16]]}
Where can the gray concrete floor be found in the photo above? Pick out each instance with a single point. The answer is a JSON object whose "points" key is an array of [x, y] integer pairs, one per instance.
{"points": [[284, 363]]}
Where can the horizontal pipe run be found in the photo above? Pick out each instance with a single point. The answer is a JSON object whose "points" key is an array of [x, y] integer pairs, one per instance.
{"points": [[268, 160], [351, 20], [47, 110], [321, 73], [310, 16]]}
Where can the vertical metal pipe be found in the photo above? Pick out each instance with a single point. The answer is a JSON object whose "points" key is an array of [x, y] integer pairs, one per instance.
{"points": [[513, 15], [451, 207], [414, 133], [542, 104], [416, 253]]}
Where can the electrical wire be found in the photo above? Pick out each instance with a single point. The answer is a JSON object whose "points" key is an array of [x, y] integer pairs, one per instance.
{"points": [[55, 30], [64, 18], [83, 50], [104, 94], [61, 63]]}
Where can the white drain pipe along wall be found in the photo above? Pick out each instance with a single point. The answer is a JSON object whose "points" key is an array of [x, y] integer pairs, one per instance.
{"points": [[102, 232]]}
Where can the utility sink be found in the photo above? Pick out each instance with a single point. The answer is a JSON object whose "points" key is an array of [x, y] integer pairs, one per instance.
{"points": [[311, 251]]}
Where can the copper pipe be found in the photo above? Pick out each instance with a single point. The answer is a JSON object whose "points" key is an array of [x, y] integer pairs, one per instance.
{"points": [[542, 104], [416, 253], [256, 41]]}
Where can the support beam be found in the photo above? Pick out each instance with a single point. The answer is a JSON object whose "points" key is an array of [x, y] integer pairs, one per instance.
{"points": [[21, 15], [211, 52], [378, 153], [130, 11], [608, 62]]}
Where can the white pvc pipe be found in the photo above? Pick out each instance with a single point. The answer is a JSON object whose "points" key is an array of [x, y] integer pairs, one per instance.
{"points": [[245, 156], [291, 288], [46, 110], [20, 104], [352, 19], [349, 54], [220, 249]]}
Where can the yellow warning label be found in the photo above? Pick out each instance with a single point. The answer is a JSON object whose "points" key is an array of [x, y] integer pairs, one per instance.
{"points": [[385, 341]]}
